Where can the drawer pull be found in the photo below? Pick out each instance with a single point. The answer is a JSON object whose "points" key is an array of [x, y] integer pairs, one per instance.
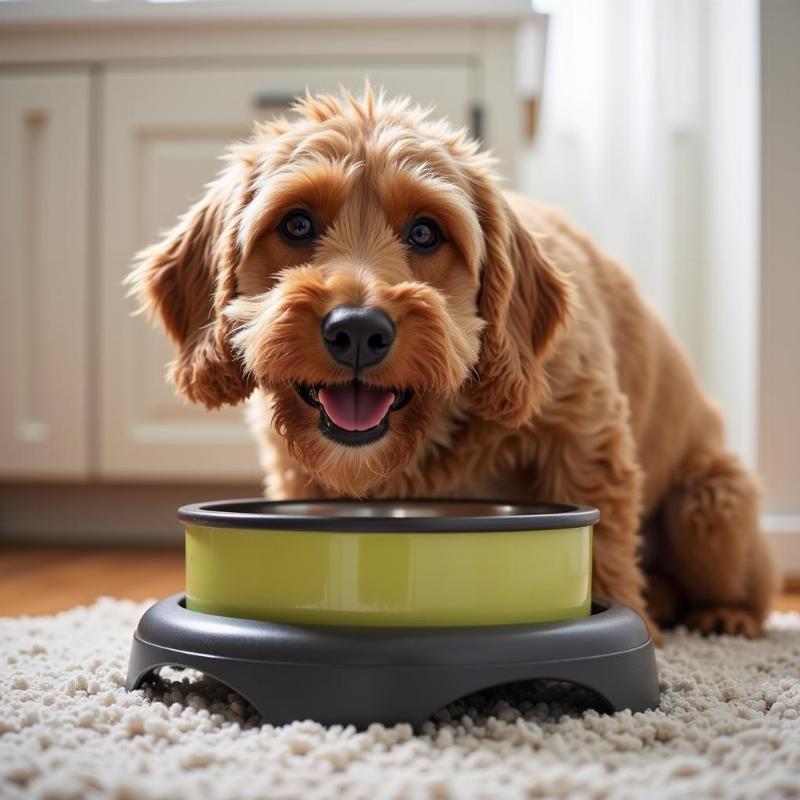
{"points": [[273, 100]]}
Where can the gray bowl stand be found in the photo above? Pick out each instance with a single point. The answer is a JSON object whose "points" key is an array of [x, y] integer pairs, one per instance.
{"points": [[357, 675]]}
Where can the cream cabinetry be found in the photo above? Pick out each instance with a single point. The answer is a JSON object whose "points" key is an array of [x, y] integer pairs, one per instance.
{"points": [[113, 120], [45, 275]]}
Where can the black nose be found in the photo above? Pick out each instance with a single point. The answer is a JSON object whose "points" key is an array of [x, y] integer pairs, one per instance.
{"points": [[358, 337]]}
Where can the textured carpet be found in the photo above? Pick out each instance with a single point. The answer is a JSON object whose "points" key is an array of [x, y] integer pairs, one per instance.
{"points": [[728, 727]]}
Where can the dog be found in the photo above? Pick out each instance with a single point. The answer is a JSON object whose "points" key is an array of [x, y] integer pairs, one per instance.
{"points": [[403, 328]]}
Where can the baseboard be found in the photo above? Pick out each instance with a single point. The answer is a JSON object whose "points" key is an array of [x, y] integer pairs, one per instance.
{"points": [[109, 514], [783, 531]]}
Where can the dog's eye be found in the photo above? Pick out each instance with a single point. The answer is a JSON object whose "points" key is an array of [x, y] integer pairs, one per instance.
{"points": [[297, 227], [424, 234]]}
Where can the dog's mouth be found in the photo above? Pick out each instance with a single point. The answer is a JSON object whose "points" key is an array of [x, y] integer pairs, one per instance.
{"points": [[354, 413]]}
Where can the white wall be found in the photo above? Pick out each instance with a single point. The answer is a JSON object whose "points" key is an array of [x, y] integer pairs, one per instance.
{"points": [[779, 384], [728, 315]]}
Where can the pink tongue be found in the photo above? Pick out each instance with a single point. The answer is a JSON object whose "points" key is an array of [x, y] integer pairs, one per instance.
{"points": [[354, 406]]}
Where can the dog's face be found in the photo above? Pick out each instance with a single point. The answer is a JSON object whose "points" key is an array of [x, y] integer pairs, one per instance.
{"points": [[358, 266]]}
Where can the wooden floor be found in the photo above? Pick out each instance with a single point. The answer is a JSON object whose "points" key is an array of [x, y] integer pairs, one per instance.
{"points": [[43, 580]]}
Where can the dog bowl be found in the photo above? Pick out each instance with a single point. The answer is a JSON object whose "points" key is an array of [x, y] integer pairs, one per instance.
{"points": [[389, 564], [359, 675], [353, 613]]}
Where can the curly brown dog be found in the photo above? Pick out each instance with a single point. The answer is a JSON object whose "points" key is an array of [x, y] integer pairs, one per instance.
{"points": [[407, 329]]}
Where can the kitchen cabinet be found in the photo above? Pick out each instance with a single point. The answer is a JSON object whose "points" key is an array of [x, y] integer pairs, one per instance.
{"points": [[46, 275], [114, 117]]}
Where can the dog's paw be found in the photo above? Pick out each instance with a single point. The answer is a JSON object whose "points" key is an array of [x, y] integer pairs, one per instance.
{"points": [[725, 619]]}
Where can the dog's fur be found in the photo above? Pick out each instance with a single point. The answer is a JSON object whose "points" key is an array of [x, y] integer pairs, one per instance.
{"points": [[538, 371]]}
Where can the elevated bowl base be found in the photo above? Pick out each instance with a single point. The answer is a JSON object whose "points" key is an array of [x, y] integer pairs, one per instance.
{"points": [[361, 675]]}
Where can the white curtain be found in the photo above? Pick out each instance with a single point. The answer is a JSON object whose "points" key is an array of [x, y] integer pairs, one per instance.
{"points": [[648, 139]]}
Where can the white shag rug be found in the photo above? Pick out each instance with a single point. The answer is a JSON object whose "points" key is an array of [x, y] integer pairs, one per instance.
{"points": [[728, 727]]}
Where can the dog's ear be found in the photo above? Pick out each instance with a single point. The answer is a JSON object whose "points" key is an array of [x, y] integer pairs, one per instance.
{"points": [[186, 280], [524, 301]]}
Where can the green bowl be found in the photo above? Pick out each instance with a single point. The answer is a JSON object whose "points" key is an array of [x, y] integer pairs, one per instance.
{"points": [[393, 563]]}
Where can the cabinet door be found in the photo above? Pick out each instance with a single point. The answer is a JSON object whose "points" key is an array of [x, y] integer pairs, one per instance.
{"points": [[163, 133], [44, 185]]}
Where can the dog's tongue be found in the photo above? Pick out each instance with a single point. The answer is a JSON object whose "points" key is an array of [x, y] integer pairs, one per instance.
{"points": [[354, 406]]}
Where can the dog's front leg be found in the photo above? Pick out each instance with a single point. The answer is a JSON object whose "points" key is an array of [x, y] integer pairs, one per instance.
{"points": [[592, 460]]}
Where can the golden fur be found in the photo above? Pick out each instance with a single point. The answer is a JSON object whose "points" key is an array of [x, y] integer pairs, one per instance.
{"points": [[538, 372]]}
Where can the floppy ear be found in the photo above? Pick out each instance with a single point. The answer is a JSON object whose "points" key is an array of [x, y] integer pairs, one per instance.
{"points": [[524, 301], [186, 280]]}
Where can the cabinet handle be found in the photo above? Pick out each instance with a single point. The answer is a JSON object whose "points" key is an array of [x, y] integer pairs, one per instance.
{"points": [[268, 100], [476, 121], [36, 118]]}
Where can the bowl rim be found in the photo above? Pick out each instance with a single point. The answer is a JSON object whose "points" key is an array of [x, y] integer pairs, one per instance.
{"points": [[508, 516]]}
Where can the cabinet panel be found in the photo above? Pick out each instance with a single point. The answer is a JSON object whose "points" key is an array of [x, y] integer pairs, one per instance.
{"points": [[44, 191], [163, 133]]}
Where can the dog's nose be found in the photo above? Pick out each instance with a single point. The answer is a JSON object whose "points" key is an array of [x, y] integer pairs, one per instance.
{"points": [[358, 337]]}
